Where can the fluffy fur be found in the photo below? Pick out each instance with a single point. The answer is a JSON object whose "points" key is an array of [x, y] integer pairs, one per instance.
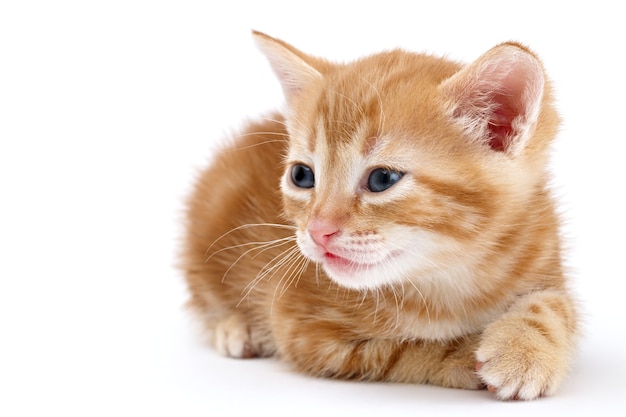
{"points": [[451, 274]]}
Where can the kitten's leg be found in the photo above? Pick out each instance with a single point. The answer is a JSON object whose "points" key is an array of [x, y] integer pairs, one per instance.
{"points": [[525, 353], [327, 349], [232, 337], [235, 336]]}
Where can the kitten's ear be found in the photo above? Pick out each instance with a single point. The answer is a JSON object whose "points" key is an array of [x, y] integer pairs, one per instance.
{"points": [[498, 97], [295, 70]]}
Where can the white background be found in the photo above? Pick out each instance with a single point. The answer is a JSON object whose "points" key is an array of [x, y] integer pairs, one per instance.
{"points": [[107, 109]]}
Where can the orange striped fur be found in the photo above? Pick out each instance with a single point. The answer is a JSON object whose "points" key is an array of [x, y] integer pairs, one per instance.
{"points": [[451, 274]]}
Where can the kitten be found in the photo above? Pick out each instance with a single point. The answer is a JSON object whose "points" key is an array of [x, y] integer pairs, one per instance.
{"points": [[394, 224]]}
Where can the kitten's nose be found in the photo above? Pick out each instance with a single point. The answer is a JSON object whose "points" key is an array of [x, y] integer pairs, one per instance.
{"points": [[321, 231]]}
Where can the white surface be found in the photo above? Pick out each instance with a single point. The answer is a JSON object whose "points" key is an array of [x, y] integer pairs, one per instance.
{"points": [[106, 110]]}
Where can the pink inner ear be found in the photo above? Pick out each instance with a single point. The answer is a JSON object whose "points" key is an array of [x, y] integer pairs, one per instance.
{"points": [[498, 96], [501, 125]]}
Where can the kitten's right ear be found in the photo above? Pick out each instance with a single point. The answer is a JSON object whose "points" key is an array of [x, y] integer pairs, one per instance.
{"points": [[295, 70]]}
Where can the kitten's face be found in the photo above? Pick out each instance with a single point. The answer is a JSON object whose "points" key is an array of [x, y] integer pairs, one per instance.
{"points": [[400, 166], [364, 181]]}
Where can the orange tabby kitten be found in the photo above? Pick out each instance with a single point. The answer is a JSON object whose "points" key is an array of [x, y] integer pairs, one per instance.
{"points": [[394, 224]]}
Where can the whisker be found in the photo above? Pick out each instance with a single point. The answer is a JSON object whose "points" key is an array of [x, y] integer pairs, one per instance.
{"points": [[264, 247], [290, 261], [261, 132], [363, 298], [298, 266], [260, 244], [317, 274], [304, 264], [270, 269], [247, 226], [418, 255], [241, 148], [395, 299], [419, 292], [285, 257], [269, 119]]}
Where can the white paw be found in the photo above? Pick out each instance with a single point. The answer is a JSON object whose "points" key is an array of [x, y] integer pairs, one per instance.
{"points": [[521, 367], [232, 338]]}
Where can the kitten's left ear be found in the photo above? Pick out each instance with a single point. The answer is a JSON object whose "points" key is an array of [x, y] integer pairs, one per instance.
{"points": [[498, 97], [295, 70]]}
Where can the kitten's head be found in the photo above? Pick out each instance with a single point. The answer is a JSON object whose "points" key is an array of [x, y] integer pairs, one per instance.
{"points": [[401, 164]]}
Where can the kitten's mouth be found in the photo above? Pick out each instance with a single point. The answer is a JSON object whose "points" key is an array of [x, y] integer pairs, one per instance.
{"points": [[363, 273], [344, 265]]}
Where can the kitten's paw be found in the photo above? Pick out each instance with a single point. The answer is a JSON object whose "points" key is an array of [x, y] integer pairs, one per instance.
{"points": [[516, 364], [232, 338]]}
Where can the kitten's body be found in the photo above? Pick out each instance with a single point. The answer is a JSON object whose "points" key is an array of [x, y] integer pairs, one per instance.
{"points": [[453, 265]]}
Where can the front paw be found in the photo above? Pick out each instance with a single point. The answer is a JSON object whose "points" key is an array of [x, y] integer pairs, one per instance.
{"points": [[232, 338], [520, 361]]}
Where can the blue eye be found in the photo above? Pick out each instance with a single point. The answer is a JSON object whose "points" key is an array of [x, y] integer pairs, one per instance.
{"points": [[302, 176], [381, 179]]}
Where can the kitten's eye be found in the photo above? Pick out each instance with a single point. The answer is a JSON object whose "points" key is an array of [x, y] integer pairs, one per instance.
{"points": [[302, 176], [381, 179]]}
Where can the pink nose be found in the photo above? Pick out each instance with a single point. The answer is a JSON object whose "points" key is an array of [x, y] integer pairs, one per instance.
{"points": [[321, 231]]}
